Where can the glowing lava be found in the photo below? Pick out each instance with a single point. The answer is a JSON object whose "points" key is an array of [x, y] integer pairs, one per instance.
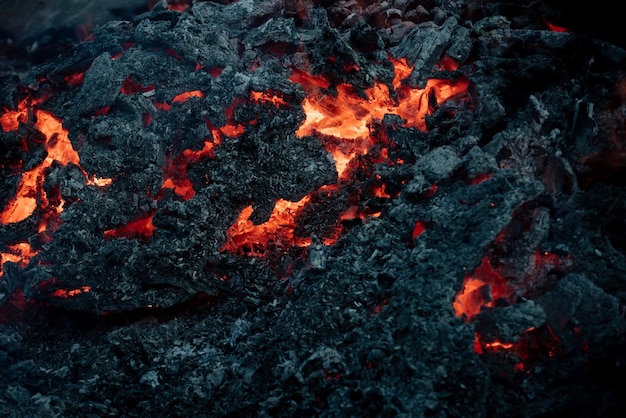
{"points": [[19, 253], [348, 115], [345, 121], [59, 149], [246, 237], [141, 228], [482, 288], [30, 193]]}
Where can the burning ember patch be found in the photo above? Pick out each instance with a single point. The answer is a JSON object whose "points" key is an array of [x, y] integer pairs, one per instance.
{"points": [[346, 115], [30, 194], [303, 208]]}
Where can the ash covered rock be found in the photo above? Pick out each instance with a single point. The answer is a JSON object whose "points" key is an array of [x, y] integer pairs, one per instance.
{"points": [[185, 121]]}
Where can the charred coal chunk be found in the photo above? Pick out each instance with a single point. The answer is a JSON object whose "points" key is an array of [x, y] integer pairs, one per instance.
{"points": [[101, 87], [423, 48], [508, 324], [8, 91], [336, 57], [576, 305], [108, 39]]}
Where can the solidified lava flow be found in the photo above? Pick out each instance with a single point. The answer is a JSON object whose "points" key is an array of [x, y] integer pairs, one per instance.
{"points": [[305, 208]]}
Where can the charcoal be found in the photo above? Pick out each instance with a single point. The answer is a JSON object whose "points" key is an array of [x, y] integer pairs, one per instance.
{"points": [[519, 317], [101, 85], [423, 47], [8, 91], [312, 208]]}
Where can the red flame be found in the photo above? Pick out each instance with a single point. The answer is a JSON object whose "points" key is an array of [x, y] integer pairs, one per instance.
{"points": [[68, 293], [30, 193], [141, 229], [348, 115], [19, 253], [244, 236]]}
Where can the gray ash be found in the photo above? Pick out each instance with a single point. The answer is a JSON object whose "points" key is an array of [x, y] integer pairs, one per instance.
{"points": [[298, 208]]}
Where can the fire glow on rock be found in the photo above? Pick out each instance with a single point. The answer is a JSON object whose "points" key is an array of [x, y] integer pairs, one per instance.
{"points": [[309, 214], [341, 118], [30, 194], [345, 116]]}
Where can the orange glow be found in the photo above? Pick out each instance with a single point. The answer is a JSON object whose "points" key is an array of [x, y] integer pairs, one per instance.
{"points": [[19, 253], [497, 345], [99, 181], [486, 285], [163, 106], [232, 131], [29, 189], [267, 97], [103, 111], [348, 115], [74, 80], [480, 178], [178, 5], [141, 229], [176, 171], [482, 288], [179, 98], [183, 97], [532, 344], [10, 119], [447, 64], [380, 190], [67, 293], [402, 71], [554, 28], [30, 194], [308, 80], [131, 87], [349, 214], [248, 238]]}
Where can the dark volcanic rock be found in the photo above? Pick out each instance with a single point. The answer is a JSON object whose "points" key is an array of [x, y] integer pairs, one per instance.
{"points": [[468, 266]]}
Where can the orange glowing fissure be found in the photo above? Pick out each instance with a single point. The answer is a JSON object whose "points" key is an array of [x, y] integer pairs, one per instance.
{"points": [[175, 171], [244, 236], [486, 285], [346, 116], [30, 193], [141, 228], [19, 253], [67, 293]]}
